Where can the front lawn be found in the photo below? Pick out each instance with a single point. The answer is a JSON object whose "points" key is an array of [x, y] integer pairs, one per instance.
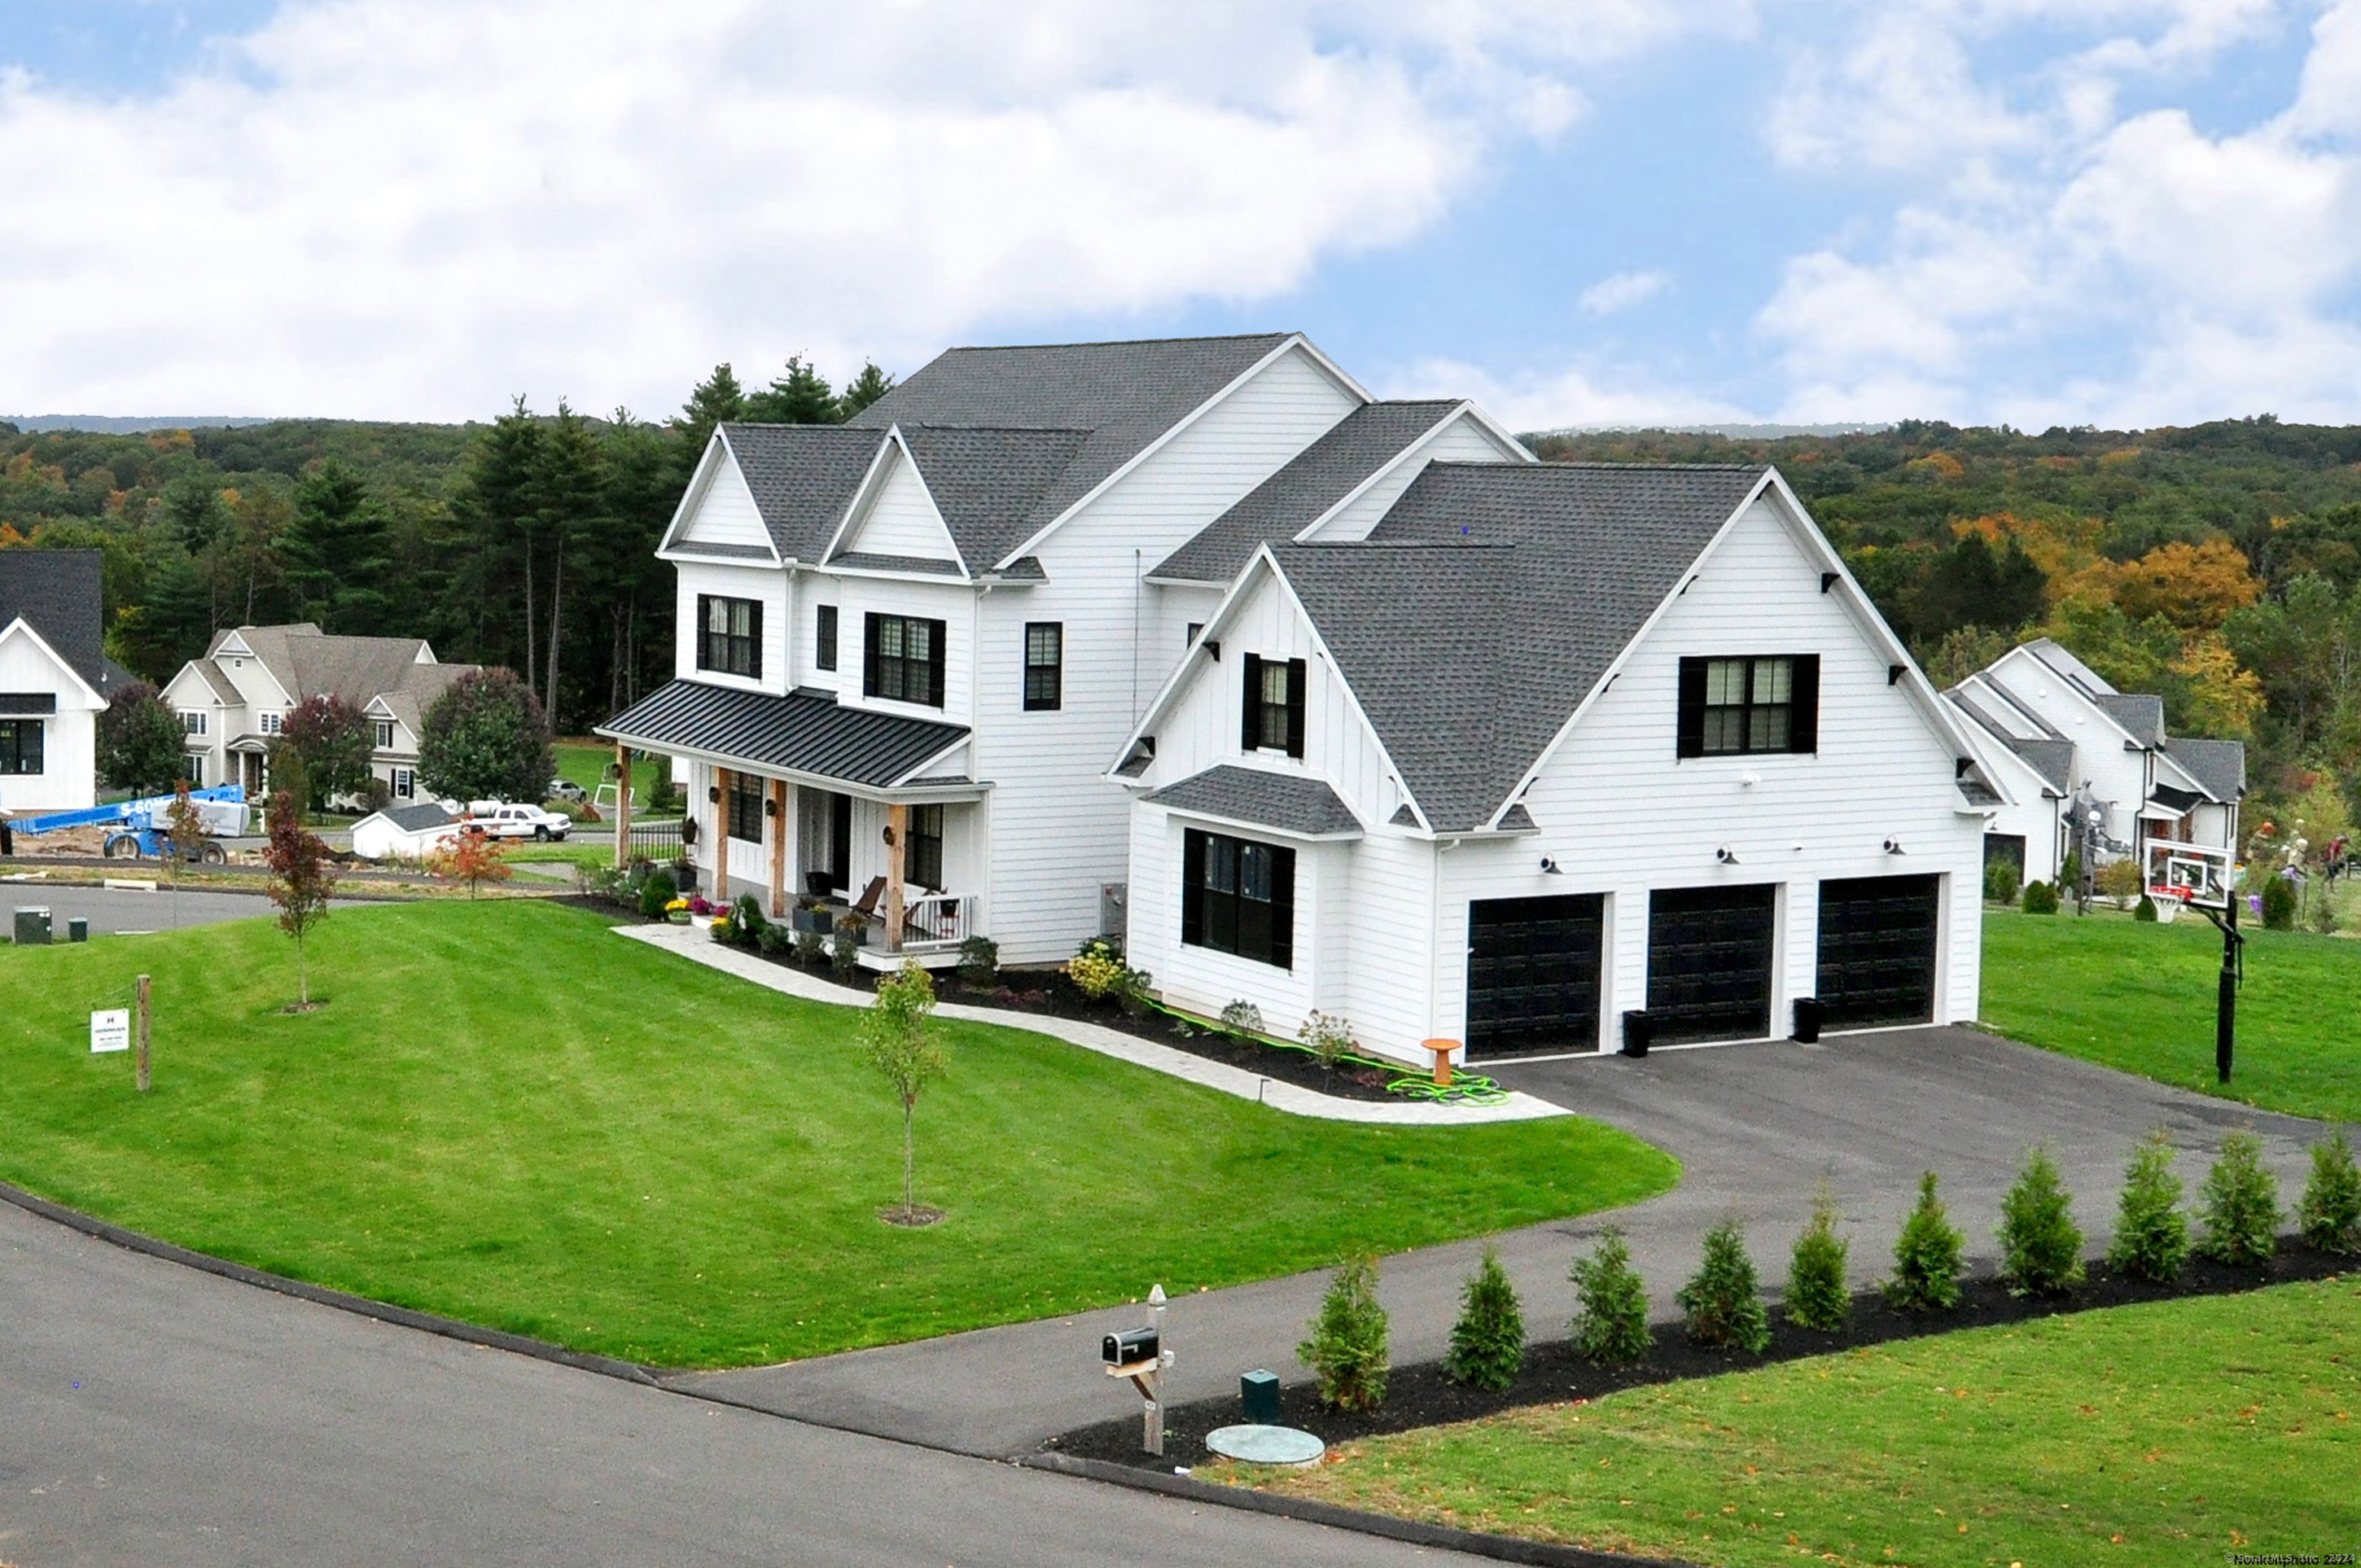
{"points": [[2140, 997], [506, 1115], [2168, 1434]]}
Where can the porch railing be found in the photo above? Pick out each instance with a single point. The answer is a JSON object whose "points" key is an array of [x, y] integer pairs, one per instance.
{"points": [[933, 920], [657, 840]]}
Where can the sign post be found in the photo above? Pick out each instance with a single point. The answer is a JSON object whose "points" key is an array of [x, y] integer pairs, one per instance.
{"points": [[143, 1035]]}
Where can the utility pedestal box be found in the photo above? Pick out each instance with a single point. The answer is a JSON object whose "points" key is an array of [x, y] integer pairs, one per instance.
{"points": [[32, 927], [1258, 1392]]}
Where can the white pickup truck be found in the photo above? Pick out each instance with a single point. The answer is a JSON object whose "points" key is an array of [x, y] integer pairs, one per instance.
{"points": [[500, 819]]}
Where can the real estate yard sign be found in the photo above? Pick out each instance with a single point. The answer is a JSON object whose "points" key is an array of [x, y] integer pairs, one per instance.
{"points": [[110, 1030]]}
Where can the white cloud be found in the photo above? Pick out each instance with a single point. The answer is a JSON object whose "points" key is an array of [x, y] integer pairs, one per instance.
{"points": [[1577, 397], [1622, 291], [415, 207]]}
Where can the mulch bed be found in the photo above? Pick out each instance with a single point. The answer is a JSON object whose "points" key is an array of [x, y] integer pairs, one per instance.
{"points": [[1421, 1396]]}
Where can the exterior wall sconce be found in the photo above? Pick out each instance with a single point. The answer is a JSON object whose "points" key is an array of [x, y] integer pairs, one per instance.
{"points": [[1894, 847], [1551, 868], [713, 795], [1726, 855], [770, 806]]}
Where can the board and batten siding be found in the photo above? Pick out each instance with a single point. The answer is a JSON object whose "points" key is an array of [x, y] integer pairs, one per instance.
{"points": [[1621, 814], [68, 780], [772, 585], [1202, 980], [900, 518], [1461, 439], [725, 513], [1059, 831]]}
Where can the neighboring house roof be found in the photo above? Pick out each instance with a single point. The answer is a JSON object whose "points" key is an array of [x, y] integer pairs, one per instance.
{"points": [[1288, 802], [2141, 714], [2053, 760], [2218, 766], [803, 732], [1297, 495], [217, 680], [58, 594], [307, 662], [417, 818], [420, 686], [2063, 664], [802, 477], [1120, 396], [1492, 597]]}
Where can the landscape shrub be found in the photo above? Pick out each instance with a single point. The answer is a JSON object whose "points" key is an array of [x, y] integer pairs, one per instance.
{"points": [[2151, 1232], [656, 890], [2145, 909], [1487, 1342], [1097, 971], [2238, 1206], [1329, 1038], [844, 952], [2000, 882], [775, 938], [1136, 992], [2330, 1209], [979, 962], [1816, 1295], [2120, 878], [1242, 1017], [898, 1030], [2321, 916], [1346, 1348], [2070, 875], [665, 798], [811, 948], [2040, 1245], [1610, 1316], [2040, 898], [747, 915], [2279, 905], [1927, 1256], [1723, 1300]]}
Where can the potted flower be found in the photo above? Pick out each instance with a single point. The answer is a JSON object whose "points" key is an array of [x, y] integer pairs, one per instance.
{"points": [[677, 912], [811, 915]]}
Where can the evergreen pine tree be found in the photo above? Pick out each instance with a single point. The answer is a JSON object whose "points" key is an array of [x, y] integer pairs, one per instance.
{"points": [[1723, 1300], [1816, 1294], [1927, 1257], [1487, 1342], [2041, 1247], [1347, 1344], [717, 400], [863, 390], [2151, 1238], [1611, 1319], [2330, 1211], [800, 396], [2239, 1205]]}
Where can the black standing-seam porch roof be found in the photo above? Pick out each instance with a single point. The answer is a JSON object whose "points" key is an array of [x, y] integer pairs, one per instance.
{"points": [[802, 732]]}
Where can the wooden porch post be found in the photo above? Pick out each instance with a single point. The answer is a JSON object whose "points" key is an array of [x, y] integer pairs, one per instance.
{"points": [[778, 849], [721, 838], [622, 805], [898, 827]]}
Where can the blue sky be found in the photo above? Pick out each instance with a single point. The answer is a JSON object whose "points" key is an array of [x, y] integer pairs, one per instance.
{"points": [[2121, 211]]}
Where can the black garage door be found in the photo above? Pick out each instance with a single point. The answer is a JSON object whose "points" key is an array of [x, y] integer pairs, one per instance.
{"points": [[1533, 973], [1710, 962], [1877, 950]]}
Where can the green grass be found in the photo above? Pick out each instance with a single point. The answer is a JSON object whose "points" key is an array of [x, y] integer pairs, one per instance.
{"points": [[566, 854], [2141, 998], [2162, 1435], [506, 1115], [586, 763]]}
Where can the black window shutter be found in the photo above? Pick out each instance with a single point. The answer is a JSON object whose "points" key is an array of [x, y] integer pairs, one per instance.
{"points": [[1296, 681], [935, 664], [1282, 906], [1692, 717], [754, 628], [1192, 888], [824, 637], [1250, 723], [1803, 697], [869, 655], [705, 659]]}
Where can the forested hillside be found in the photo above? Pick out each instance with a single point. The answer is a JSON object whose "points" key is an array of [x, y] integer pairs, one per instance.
{"points": [[2217, 565], [527, 541]]}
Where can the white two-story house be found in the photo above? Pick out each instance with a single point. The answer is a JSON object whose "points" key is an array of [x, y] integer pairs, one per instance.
{"points": [[1552, 758], [55, 680], [906, 645]]}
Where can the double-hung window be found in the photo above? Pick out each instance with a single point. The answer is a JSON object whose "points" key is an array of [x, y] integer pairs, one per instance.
{"points": [[903, 659], [385, 735], [21, 745], [922, 855], [824, 637], [405, 784], [1238, 896], [1272, 716], [192, 720], [745, 802], [729, 636], [1760, 703], [1045, 665], [270, 722]]}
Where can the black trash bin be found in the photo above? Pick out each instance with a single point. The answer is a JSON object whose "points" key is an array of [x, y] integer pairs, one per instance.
{"points": [[1808, 1020], [1637, 1030]]}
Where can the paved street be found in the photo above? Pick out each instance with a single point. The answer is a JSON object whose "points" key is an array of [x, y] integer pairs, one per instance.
{"points": [[152, 1415], [110, 909]]}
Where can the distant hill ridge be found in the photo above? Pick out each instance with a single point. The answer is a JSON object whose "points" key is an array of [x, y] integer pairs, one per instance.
{"points": [[111, 424]]}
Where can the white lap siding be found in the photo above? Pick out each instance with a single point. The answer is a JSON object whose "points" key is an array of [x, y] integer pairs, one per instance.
{"points": [[768, 586], [1203, 981]]}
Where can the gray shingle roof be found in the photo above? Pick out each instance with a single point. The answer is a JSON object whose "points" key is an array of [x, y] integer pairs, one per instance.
{"points": [[2052, 760], [413, 819], [1288, 802], [1288, 501], [861, 560], [57, 592], [1976, 792], [802, 477], [802, 732], [1124, 395], [989, 484], [1491, 599], [2141, 713], [2218, 766]]}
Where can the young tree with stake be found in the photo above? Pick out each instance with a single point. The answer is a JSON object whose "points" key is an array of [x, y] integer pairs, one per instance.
{"points": [[898, 1030], [300, 883]]}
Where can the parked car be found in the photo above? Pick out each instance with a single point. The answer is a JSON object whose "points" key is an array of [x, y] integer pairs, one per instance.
{"points": [[567, 789], [505, 820]]}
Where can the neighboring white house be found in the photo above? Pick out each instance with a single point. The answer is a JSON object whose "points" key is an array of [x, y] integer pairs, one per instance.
{"points": [[233, 701], [55, 679], [906, 645], [404, 832], [1515, 752], [2051, 727]]}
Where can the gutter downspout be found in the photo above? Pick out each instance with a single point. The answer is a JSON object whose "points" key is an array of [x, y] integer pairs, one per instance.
{"points": [[1443, 846]]}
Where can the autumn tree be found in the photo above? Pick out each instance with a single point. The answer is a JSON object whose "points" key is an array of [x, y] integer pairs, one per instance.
{"points": [[333, 738], [485, 738], [471, 857], [300, 883]]}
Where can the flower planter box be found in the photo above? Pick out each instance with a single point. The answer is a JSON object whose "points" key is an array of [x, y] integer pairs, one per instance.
{"points": [[815, 920]]}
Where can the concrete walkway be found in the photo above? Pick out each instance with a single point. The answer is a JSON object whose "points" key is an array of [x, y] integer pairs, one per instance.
{"points": [[695, 943], [1756, 1126]]}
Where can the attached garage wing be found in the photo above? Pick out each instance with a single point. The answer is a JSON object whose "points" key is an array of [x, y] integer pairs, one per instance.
{"points": [[1533, 973], [1710, 962], [1878, 942]]}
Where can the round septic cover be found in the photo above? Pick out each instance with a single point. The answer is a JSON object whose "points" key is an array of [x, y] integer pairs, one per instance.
{"points": [[1266, 1445]]}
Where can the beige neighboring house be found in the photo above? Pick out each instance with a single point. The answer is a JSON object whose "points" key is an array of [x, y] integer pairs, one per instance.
{"points": [[233, 700]]}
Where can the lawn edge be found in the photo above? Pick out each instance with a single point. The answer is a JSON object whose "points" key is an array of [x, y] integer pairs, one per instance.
{"points": [[321, 1295], [1442, 1538]]}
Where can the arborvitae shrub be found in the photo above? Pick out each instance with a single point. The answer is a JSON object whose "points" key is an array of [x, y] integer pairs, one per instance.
{"points": [[1348, 1347], [1610, 1318], [657, 891], [1926, 1257], [2000, 882], [1487, 1342], [2239, 1205], [1723, 1301], [2040, 898], [2151, 1232], [2330, 1212], [2041, 1247], [1816, 1296], [979, 962], [2279, 905]]}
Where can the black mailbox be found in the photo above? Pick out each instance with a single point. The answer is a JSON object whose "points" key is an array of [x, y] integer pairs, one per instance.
{"points": [[1130, 1347]]}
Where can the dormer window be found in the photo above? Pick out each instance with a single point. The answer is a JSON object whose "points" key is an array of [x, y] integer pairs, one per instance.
{"points": [[1273, 706], [385, 735], [1761, 703], [730, 640]]}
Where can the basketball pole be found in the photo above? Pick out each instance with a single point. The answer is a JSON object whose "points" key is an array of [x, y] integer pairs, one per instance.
{"points": [[2225, 1008]]}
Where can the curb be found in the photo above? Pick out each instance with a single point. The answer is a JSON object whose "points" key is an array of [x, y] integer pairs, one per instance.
{"points": [[1440, 1537], [319, 1295]]}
